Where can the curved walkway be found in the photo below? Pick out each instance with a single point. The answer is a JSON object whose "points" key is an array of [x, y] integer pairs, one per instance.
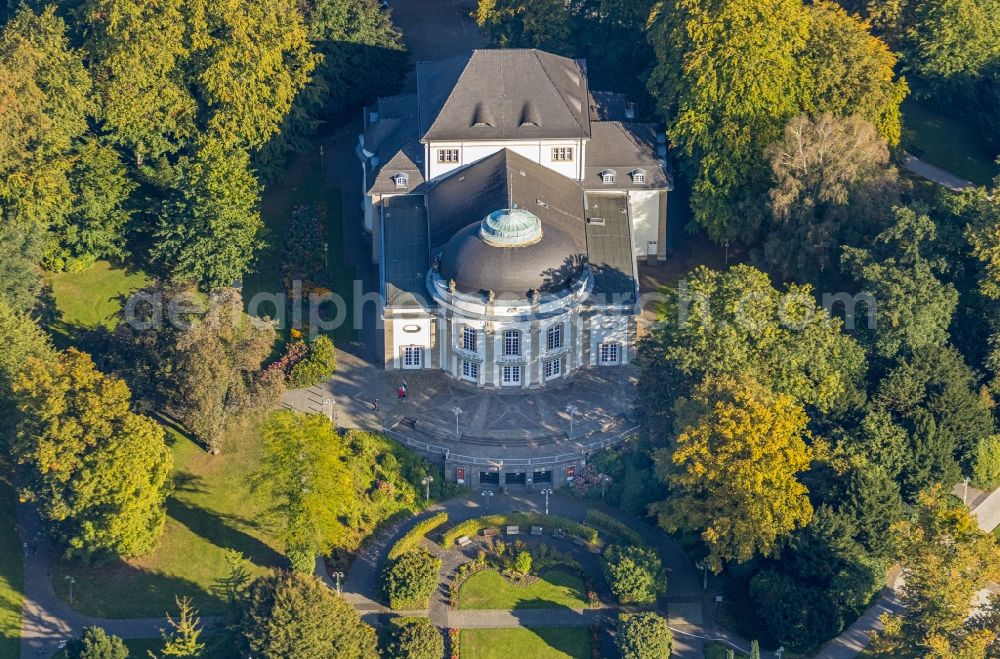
{"points": [[46, 619], [695, 626]]}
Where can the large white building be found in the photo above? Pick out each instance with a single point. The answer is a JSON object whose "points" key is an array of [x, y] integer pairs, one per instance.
{"points": [[509, 206]]}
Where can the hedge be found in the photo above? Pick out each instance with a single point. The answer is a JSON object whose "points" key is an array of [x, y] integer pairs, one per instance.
{"points": [[409, 581], [412, 539], [472, 527], [614, 528]]}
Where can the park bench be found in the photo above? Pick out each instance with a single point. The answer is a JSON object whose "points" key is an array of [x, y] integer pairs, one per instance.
{"points": [[513, 530], [490, 532], [463, 541], [536, 530]]}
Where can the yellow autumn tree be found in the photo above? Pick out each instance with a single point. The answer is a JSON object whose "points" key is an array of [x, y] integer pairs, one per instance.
{"points": [[732, 470]]}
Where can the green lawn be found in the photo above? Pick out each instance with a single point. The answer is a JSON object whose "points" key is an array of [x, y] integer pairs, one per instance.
{"points": [[212, 510], [11, 578], [548, 642], [88, 299], [489, 590], [948, 143], [303, 184]]}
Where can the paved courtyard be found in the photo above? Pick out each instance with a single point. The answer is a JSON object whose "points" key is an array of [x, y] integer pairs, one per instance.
{"points": [[492, 423]]}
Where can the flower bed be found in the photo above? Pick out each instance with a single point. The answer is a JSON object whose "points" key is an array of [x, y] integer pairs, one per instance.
{"points": [[304, 259], [549, 522]]}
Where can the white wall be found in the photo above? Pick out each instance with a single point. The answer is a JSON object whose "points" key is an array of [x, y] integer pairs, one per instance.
{"points": [[644, 209], [609, 330], [539, 151], [401, 336]]}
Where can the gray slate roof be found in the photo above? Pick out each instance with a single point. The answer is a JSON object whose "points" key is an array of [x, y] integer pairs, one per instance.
{"points": [[625, 147], [502, 94], [505, 180], [394, 140], [609, 249], [406, 258]]}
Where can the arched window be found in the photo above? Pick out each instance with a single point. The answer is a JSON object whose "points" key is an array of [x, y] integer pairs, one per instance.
{"points": [[401, 180], [639, 176], [608, 176]]}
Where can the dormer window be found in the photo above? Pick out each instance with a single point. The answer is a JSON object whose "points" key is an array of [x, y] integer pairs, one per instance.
{"points": [[608, 177], [401, 180], [639, 176]]}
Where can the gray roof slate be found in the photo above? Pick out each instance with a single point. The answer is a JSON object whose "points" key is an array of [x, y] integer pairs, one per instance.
{"points": [[502, 94], [406, 258], [625, 147], [609, 248]]}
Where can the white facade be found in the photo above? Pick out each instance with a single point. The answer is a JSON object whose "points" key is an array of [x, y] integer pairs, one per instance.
{"points": [[563, 156]]}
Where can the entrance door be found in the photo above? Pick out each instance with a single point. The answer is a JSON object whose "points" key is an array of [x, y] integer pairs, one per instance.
{"points": [[489, 478], [511, 376], [542, 477], [516, 478]]}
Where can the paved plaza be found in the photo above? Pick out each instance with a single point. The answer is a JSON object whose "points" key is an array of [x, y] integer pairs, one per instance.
{"points": [[492, 423]]}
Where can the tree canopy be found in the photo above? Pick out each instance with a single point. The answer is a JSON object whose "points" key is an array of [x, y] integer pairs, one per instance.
{"points": [[733, 469], [99, 472]]}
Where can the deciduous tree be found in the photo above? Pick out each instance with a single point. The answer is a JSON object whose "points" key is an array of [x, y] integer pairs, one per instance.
{"points": [[945, 561], [97, 644], [634, 574], [833, 186], [734, 467], [415, 638], [99, 473], [913, 306]]}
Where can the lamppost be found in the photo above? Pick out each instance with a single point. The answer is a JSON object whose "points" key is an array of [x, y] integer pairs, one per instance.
{"points": [[703, 566], [71, 581], [457, 411], [780, 651], [426, 482], [571, 409], [338, 576], [487, 494], [546, 492]]}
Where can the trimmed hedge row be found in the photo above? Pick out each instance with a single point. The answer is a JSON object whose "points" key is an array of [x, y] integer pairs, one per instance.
{"points": [[412, 539], [614, 528], [472, 527]]}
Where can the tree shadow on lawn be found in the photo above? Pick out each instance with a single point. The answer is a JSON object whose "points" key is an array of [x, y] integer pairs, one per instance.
{"points": [[221, 530], [562, 629]]}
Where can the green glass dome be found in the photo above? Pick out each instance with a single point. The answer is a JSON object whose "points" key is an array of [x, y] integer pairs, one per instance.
{"points": [[511, 227]]}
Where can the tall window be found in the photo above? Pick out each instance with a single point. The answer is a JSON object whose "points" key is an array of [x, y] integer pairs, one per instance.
{"points": [[562, 154], [447, 155], [469, 339], [510, 375], [553, 368], [470, 370], [609, 353], [412, 356], [554, 338], [512, 343]]}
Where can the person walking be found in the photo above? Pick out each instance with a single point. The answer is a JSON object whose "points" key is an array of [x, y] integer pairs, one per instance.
{"points": [[375, 405]]}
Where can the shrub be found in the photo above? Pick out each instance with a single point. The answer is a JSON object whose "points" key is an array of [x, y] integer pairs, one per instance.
{"points": [[643, 636], [317, 366], [97, 644], [411, 540], [408, 581], [613, 528], [986, 473], [473, 526], [522, 562], [634, 574], [415, 638]]}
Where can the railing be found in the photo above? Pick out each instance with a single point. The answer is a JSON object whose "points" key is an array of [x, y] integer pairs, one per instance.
{"points": [[426, 447]]}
